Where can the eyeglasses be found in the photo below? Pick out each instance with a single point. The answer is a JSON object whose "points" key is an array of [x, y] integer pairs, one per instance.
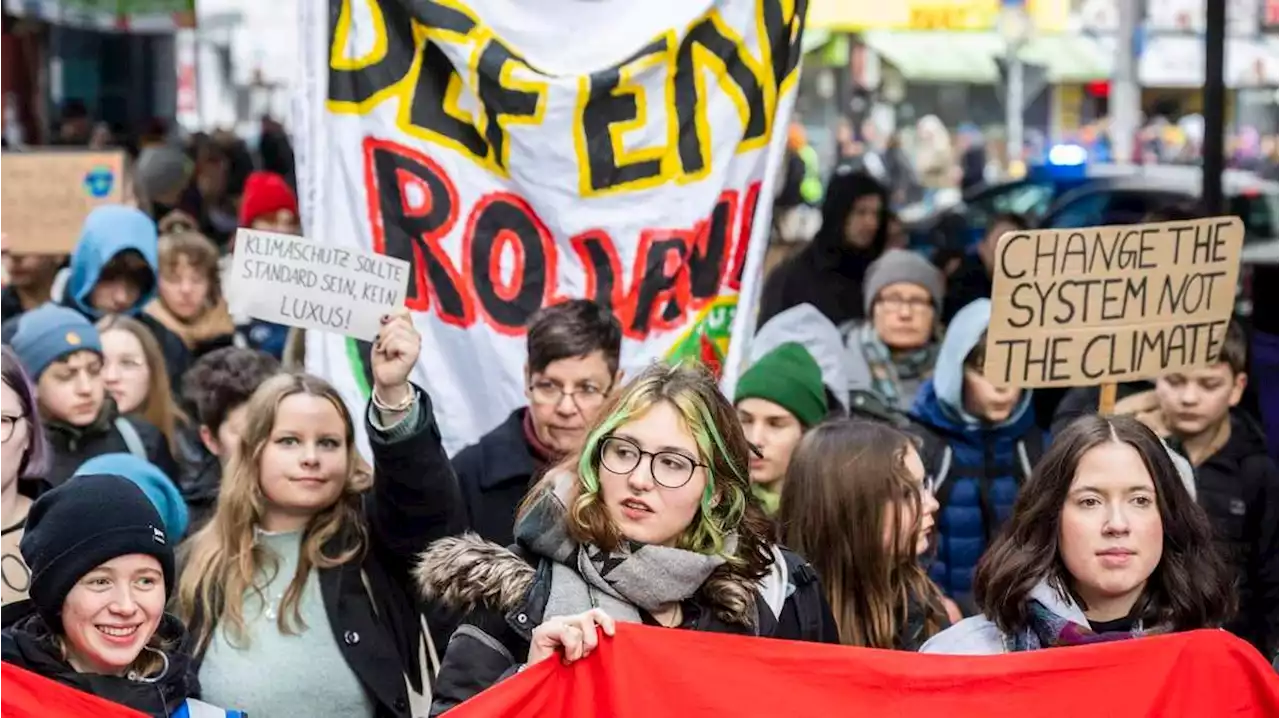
{"points": [[7, 424], [549, 393], [668, 469], [896, 304]]}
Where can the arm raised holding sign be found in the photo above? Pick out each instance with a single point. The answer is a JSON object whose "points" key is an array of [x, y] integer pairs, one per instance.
{"points": [[395, 352]]}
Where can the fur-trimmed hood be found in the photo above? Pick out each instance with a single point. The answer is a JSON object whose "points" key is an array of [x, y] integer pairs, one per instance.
{"points": [[463, 573]]}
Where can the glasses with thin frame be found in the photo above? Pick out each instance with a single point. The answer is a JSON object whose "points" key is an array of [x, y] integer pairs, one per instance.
{"points": [[550, 393], [7, 425], [668, 468]]}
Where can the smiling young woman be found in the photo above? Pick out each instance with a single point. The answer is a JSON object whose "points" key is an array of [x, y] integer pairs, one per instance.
{"points": [[102, 567], [1105, 543], [651, 521]]}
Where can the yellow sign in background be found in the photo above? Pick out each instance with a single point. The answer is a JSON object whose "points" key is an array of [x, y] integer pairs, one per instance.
{"points": [[1047, 16]]}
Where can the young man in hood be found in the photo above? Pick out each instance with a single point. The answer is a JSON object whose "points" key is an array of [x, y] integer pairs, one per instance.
{"points": [[113, 271], [574, 348], [778, 399], [1236, 480], [981, 442], [828, 272]]}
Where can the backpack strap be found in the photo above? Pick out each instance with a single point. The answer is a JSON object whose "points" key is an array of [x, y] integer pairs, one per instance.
{"points": [[807, 596], [132, 440]]}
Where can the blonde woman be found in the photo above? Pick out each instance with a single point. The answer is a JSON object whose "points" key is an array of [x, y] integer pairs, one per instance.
{"points": [[296, 592], [135, 376]]}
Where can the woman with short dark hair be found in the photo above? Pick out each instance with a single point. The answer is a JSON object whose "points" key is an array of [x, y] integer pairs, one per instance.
{"points": [[1105, 543]]}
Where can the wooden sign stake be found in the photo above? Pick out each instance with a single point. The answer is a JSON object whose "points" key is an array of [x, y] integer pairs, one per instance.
{"points": [[1107, 399]]}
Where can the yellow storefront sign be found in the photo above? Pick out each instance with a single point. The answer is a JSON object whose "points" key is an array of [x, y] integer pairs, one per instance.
{"points": [[1047, 16]]}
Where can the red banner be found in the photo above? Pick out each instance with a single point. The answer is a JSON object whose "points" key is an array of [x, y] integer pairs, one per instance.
{"points": [[651, 672], [27, 695]]}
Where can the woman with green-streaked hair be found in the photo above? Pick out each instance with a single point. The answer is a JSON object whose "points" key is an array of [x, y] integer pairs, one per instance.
{"points": [[653, 522]]}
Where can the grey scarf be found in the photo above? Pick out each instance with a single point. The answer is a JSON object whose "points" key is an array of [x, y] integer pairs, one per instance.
{"points": [[636, 576]]}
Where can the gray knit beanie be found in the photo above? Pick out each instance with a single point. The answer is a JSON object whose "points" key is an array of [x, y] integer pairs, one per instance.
{"points": [[901, 265], [160, 171]]}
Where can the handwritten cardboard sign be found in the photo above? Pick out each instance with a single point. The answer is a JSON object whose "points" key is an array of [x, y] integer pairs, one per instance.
{"points": [[1081, 307], [45, 196], [289, 280]]}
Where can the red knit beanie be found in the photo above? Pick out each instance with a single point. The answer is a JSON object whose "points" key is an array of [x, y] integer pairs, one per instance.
{"points": [[265, 193]]}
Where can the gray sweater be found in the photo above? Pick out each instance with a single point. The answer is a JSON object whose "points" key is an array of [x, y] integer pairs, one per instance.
{"points": [[278, 674]]}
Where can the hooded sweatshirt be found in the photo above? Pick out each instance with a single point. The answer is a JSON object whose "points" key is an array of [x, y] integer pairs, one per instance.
{"points": [[828, 272], [108, 231], [977, 466], [807, 326]]}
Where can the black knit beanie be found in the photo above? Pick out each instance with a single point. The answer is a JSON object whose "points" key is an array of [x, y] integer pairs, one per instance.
{"points": [[81, 525]]}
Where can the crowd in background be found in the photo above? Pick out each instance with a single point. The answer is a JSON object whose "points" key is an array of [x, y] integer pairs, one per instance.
{"points": [[188, 522]]}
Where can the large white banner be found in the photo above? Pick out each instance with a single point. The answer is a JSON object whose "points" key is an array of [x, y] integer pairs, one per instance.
{"points": [[517, 152]]}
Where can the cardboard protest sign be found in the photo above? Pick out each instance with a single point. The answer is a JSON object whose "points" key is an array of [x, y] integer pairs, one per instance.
{"points": [[1081, 307], [288, 280], [45, 196]]}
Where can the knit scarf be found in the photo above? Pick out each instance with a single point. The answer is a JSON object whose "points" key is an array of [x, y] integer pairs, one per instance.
{"points": [[214, 322], [1049, 630], [887, 370], [635, 577]]}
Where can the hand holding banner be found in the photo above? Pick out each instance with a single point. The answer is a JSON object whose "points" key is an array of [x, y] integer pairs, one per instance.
{"points": [[647, 672]]}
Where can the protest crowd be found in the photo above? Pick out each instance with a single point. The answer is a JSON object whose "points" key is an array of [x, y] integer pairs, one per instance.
{"points": [[199, 520]]}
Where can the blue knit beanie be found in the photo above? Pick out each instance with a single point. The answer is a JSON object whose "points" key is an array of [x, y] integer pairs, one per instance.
{"points": [[154, 483], [49, 333]]}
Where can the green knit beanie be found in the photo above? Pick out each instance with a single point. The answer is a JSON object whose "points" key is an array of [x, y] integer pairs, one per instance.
{"points": [[789, 377]]}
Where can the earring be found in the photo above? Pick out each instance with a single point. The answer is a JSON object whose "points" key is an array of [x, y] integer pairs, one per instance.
{"points": [[164, 669]]}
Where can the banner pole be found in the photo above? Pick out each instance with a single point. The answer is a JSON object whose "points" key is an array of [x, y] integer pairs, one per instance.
{"points": [[1107, 399]]}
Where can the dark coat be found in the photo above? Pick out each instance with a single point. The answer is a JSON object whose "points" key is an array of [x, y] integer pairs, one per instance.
{"points": [[493, 641], [969, 282], [495, 473], [29, 644], [1237, 487], [828, 273], [199, 477], [73, 445], [414, 501]]}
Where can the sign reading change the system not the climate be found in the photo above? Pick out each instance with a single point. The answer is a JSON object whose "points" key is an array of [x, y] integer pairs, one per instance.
{"points": [[1081, 307], [288, 280]]}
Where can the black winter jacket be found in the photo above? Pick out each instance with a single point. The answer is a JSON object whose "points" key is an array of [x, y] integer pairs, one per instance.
{"points": [[504, 592], [414, 501], [30, 645], [73, 445], [495, 473], [1237, 486]]}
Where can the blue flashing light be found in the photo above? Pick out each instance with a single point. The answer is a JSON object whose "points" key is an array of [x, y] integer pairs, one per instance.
{"points": [[1064, 155]]}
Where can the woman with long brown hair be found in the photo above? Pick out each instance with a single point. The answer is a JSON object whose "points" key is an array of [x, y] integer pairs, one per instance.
{"points": [[135, 376], [1105, 543], [856, 503], [651, 521], [297, 592]]}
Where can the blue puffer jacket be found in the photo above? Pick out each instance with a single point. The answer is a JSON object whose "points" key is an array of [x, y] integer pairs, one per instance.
{"points": [[976, 467]]}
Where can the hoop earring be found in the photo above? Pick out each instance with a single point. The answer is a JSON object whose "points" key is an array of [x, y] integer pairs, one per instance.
{"points": [[164, 669]]}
